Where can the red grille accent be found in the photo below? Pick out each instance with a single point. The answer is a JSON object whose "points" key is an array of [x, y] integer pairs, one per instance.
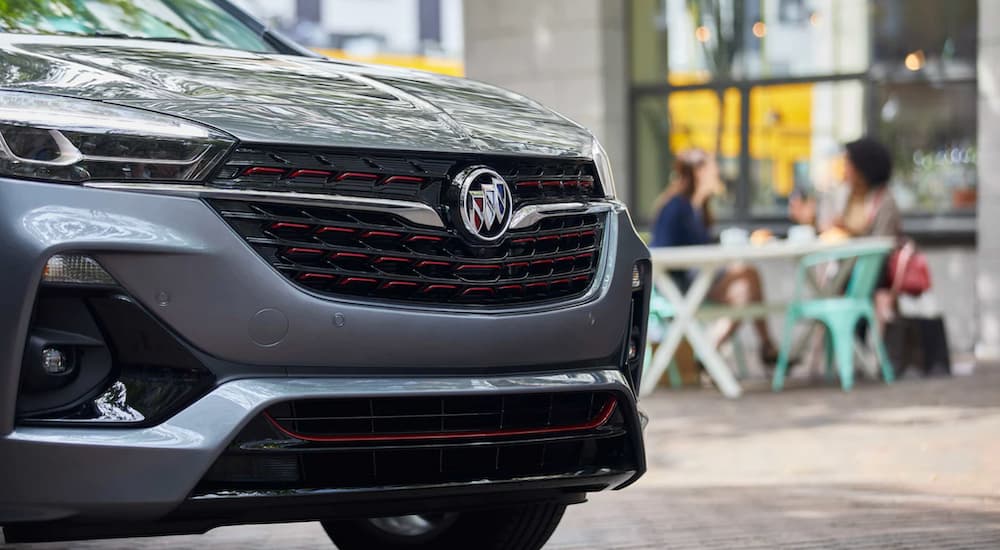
{"points": [[386, 234], [304, 252], [310, 174], [357, 176], [340, 252], [403, 179], [288, 225], [263, 171], [354, 255]]}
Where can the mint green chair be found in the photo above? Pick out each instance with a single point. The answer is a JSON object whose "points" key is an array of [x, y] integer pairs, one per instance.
{"points": [[839, 314], [660, 313]]}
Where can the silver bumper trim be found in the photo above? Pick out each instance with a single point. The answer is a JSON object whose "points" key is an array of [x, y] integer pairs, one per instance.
{"points": [[415, 212]]}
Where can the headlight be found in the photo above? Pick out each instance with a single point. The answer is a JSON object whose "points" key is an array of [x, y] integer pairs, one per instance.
{"points": [[603, 169], [74, 140]]}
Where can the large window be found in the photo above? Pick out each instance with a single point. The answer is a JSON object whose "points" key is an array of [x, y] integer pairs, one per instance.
{"points": [[796, 132], [703, 119], [775, 87]]}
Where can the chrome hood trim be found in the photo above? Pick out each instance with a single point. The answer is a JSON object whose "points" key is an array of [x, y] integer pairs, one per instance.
{"points": [[414, 212], [529, 215]]}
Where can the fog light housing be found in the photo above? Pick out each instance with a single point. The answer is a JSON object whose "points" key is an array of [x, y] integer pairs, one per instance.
{"points": [[55, 361], [75, 269]]}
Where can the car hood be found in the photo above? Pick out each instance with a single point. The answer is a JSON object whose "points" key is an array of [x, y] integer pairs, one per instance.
{"points": [[283, 99]]}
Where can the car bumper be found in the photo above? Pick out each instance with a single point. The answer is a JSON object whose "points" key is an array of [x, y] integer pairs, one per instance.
{"points": [[180, 261], [92, 474]]}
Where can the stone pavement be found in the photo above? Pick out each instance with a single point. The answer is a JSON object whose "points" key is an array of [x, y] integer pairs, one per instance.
{"points": [[913, 465]]}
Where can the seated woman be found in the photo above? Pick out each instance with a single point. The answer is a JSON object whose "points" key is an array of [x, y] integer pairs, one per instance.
{"points": [[684, 219], [870, 209]]}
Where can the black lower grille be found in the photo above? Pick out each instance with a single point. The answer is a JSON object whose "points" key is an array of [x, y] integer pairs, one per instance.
{"points": [[330, 444], [342, 252], [353, 420]]}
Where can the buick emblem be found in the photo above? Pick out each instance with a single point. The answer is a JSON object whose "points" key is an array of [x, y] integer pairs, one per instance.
{"points": [[484, 202]]}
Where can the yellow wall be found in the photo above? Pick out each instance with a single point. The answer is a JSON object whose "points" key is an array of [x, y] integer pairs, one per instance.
{"points": [[780, 126], [780, 116], [419, 62]]}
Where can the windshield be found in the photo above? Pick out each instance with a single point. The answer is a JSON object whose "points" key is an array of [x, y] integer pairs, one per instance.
{"points": [[195, 21]]}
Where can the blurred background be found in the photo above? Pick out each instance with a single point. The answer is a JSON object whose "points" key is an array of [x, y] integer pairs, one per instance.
{"points": [[773, 87]]}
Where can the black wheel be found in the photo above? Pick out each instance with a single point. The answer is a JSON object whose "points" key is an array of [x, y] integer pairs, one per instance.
{"points": [[526, 527]]}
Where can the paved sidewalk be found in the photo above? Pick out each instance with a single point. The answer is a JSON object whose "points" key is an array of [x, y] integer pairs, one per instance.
{"points": [[913, 465]]}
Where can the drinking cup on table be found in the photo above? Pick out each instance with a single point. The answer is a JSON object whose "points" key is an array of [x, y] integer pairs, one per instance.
{"points": [[734, 236], [801, 233]]}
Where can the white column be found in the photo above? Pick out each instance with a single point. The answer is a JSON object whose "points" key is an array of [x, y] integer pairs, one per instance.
{"points": [[988, 247], [568, 54]]}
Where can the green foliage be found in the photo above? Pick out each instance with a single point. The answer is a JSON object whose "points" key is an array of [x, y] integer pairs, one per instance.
{"points": [[727, 22], [75, 17]]}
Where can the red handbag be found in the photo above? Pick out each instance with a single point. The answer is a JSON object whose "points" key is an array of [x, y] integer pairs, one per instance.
{"points": [[908, 271], [907, 268]]}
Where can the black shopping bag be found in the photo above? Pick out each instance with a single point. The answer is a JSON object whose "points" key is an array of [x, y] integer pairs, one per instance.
{"points": [[919, 342]]}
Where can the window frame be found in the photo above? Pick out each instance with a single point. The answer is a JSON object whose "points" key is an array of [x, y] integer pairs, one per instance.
{"points": [[956, 227]]}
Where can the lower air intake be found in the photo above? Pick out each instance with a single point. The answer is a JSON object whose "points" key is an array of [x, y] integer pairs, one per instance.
{"points": [[413, 441]]}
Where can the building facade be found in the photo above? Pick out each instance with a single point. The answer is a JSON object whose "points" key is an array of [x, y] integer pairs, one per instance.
{"points": [[774, 88], [422, 34]]}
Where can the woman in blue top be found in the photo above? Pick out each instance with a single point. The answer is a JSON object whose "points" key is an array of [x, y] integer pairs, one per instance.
{"points": [[684, 219]]}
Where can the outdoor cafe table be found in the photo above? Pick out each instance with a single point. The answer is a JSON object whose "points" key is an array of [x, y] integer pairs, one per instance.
{"points": [[707, 260]]}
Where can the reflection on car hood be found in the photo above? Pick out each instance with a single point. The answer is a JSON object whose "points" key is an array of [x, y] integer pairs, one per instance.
{"points": [[285, 99]]}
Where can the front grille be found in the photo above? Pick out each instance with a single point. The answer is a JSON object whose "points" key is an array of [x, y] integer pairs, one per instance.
{"points": [[342, 252], [409, 441], [417, 176]]}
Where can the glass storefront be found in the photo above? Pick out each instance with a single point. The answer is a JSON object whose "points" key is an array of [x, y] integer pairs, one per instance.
{"points": [[775, 87]]}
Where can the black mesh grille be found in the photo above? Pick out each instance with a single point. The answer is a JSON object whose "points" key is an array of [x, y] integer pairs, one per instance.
{"points": [[417, 176], [265, 456], [343, 252], [347, 419]]}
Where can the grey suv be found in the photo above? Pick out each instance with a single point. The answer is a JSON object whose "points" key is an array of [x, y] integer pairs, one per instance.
{"points": [[243, 283]]}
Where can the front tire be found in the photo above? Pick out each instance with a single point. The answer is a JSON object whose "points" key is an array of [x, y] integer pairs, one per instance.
{"points": [[526, 527]]}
